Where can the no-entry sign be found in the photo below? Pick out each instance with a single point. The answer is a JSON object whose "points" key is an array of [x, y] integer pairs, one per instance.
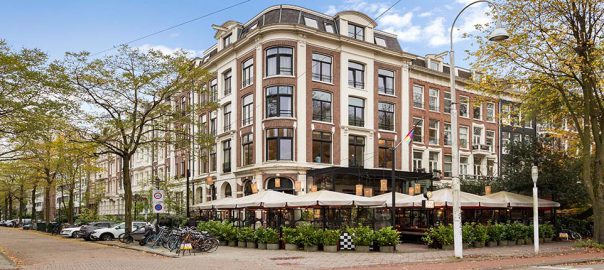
{"points": [[158, 201]]}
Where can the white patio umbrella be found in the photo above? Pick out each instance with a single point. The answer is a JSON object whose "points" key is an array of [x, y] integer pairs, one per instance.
{"points": [[518, 200], [444, 197], [331, 198], [263, 198], [212, 204], [388, 198]]}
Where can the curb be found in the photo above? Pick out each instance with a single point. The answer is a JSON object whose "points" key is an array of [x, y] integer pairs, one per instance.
{"points": [[5, 262], [138, 249]]}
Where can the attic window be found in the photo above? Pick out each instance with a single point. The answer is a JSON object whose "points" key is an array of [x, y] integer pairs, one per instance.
{"points": [[380, 41], [329, 28], [311, 22], [434, 65], [226, 41], [254, 26]]}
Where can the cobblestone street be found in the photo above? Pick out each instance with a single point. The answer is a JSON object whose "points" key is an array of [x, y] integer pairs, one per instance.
{"points": [[34, 250]]}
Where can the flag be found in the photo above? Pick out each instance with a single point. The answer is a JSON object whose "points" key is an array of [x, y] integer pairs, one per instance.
{"points": [[409, 136]]}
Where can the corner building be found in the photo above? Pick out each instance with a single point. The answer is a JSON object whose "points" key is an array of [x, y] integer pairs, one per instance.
{"points": [[311, 101]]}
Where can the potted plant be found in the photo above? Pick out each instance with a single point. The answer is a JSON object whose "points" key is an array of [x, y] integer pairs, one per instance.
{"points": [[468, 237], [260, 236], [495, 231], [528, 235], [519, 232], [509, 234], [271, 236], [290, 237], [309, 237], [241, 237], [331, 238], [481, 235], [387, 238], [229, 233], [362, 237], [546, 231], [250, 239], [440, 236]]}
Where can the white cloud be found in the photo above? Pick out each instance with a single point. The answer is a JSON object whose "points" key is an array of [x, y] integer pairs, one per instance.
{"points": [[168, 50], [425, 14], [435, 31], [331, 10], [396, 20]]}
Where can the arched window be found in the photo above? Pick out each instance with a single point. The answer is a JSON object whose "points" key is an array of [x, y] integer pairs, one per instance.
{"points": [[227, 190], [282, 184], [247, 187]]}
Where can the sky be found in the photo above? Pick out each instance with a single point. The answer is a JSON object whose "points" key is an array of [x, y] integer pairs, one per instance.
{"points": [[57, 27]]}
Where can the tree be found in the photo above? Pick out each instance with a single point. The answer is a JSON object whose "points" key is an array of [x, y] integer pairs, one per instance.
{"points": [[554, 61], [127, 98]]}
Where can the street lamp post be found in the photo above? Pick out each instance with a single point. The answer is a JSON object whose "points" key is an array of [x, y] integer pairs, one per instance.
{"points": [[535, 175], [498, 34]]}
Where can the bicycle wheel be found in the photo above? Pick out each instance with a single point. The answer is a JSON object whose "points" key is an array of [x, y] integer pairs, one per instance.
{"points": [[213, 245], [575, 236]]}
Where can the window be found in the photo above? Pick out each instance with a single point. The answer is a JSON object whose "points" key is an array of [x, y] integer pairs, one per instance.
{"points": [[490, 140], [356, 111], [321, 147], [279, 144], [248, 110], [433, 102], [380, 41], [490, 112], [433, 132], [226, 41], [477, 111], [385, 82], [490, 167], [356, 150], [447, 134], [248, 72], [279, 61], [213, 158], [477, 166], [321, 106], [385, 153], [464, 105], [417, 160], [528, 122], [418, 135], [356, 32], [463, 165], [463, 137], [329, 28], [247, 145], [227, 82], [418, 96], [213, 90], [279, 101], [311, 22], [506, 114], [356, 75], [505, 141], [433, 161], [213, 123], [226, 154], [447, 102], [448, 166], [476, 135], [385, 116], [321, 67], [434, 65], [227, 117]]}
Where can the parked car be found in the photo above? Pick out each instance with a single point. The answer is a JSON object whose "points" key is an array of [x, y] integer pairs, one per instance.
{"points": [[106, 234], [87, 229], [11, 223], [26, 224], [71, 232]]}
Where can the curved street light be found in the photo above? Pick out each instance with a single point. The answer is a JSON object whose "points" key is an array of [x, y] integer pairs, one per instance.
{"points": [[498, 34]]}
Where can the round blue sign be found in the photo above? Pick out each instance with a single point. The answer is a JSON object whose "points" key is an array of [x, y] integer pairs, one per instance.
{"points": [[158, 207]]}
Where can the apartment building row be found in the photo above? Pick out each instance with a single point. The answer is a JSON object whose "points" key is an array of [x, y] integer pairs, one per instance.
{"points": [[302, 92]]}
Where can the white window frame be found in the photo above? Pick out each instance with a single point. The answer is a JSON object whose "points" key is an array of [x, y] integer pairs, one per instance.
{"points": [[310, 22]]}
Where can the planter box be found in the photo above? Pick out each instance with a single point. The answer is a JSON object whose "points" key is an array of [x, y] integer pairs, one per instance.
{"points": [[478, 244], [466, 245], [272, 246], [528, 241], [447, 247], [548, 240], [387, 249], [491, 244], [311, 248], [520, 242], [224, 243], [232, 243], [291, 247], [361, 248], [511, 243], [241, 244], [503, 243], [330, 248], [261, 245], [250, 244]]}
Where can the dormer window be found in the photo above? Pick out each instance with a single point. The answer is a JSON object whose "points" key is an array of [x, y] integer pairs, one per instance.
{"points": [[380, 41], [356, 32], [254, 26], [311, 22], [226, 41], [329, 28], [434, 65]]}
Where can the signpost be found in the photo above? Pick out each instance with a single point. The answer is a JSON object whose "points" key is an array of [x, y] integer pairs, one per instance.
{"points": [[158, 201]]}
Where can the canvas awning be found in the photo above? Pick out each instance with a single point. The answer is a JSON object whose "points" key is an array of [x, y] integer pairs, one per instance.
{"points": [[211, 204], [518, 200], [261, 199], [444, 197], [388, 198], [330, 198]]}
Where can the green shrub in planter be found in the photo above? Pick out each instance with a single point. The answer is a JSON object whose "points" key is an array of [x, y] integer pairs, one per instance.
{"points": [[245, 234], [518, 232], [271, 236], [509, 234], [331, 239], [260, 235], [495, 232], [387, 236], [226, 232], [546, 231], [362, 235], [308, 236], [440, 236], [467, 233], [481, 234]]}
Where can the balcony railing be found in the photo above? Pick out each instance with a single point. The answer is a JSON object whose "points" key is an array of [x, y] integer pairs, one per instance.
{"points": [[386, 90], [356, 122], [481, 147], [321, 77], [321, 117], [356, 84], [386, 126]]}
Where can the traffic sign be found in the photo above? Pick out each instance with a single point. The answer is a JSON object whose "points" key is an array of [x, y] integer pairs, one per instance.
{"points": [[158, 195], [159, 207]]}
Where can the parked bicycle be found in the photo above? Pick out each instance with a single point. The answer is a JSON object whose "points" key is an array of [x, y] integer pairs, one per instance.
{"points": [[567, 234]]}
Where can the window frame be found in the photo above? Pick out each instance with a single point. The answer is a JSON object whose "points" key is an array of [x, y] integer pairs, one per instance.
{"points": [[247, 109], [279, 55], [355, 34], [227, 78], [464, 101], [382, 43], [247, 149], [385, 157], [479, 107], [226, 156], [308, 19], [247, 72], [352, 121], [383, 79], [384, 114], [322, 141], [418, 124], [288, 136], [320, 116], [416, 104], [356, 145], [435, 130], [447, 102], [225, 39], [277, 97], [467, 133], [436, 98], [490, 115], [317, 62], [354, 73]]}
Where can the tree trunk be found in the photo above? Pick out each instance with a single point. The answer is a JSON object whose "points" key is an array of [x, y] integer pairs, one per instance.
{"points": [[21, 202], [33, 205], [598, 201], [10, 205], [47, 205], [70, 204], [127, 192]]}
